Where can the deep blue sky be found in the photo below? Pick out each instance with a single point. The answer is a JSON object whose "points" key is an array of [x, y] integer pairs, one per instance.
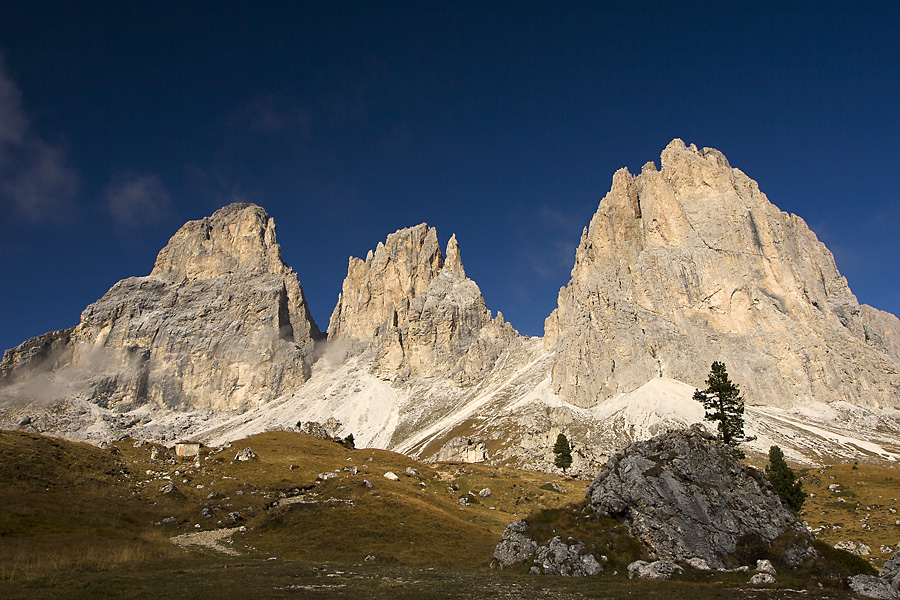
{"points": [[501, 122]]}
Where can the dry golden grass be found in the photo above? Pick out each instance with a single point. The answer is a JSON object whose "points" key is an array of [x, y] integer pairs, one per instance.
{"points": [[77, 521], [414, 521], [74, 508], [65, 505], [858, 510]]}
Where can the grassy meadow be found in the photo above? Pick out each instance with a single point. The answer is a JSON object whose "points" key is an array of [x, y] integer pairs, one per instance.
{"points": [[77, 521]]}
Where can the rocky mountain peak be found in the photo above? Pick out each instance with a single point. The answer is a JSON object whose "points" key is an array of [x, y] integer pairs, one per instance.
{"points": [[220, 323], [691, 263], [418, 311], [238, 238]]}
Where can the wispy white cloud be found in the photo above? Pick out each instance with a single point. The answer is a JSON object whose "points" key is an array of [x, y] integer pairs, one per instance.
{"points": [[270, 114], [36, 180], [136, 200]]}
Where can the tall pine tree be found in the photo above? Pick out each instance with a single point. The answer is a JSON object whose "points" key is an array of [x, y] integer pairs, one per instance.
{"points": [[563, 452], [784, 480], [724, 405]]}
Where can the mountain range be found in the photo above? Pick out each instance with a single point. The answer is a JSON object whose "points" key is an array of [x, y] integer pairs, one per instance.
{"points": [[681, 265]]}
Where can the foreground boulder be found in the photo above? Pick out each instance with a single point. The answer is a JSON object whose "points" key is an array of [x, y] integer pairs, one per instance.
{"points": [[684, 495], [678, 497]]}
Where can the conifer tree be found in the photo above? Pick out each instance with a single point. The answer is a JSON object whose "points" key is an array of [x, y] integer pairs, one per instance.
{"points": [[724, 404], [784, 480], [563, 452]]}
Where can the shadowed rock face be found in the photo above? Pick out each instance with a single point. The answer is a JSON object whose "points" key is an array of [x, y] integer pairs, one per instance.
{"points": [[685, 496], [221, 323], [418, 311], [690, 264]]}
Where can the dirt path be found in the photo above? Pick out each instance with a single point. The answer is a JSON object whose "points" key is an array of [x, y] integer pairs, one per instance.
{"points": [[208, 539]]}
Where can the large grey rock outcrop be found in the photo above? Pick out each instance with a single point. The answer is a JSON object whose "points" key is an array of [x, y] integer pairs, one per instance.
{"points": [[684, 496], [418, 311], [872, 587], [221, 322], [691, 263], [890, 572]]}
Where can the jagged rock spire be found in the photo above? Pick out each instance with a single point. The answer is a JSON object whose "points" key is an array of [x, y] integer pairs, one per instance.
{"points": [[418, 311], [453, 263]]}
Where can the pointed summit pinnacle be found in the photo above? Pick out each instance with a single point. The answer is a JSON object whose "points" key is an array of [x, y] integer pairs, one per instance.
{"points": [[453, 262]]}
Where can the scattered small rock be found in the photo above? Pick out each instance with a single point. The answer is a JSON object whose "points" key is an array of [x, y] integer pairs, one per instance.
{"points": [[765, 566], [485, 492], [367, 483], [699, 563], [169, 488], [206, 513], [391, 475], [412, 472], [369, 558], [245, 455], [854, 548], [327, 475], [464, 501], [660, 569], [762, 579]]}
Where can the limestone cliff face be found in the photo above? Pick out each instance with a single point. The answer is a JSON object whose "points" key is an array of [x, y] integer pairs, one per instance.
{"points": [[691, 263], [418, 311], [221, 322]]}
